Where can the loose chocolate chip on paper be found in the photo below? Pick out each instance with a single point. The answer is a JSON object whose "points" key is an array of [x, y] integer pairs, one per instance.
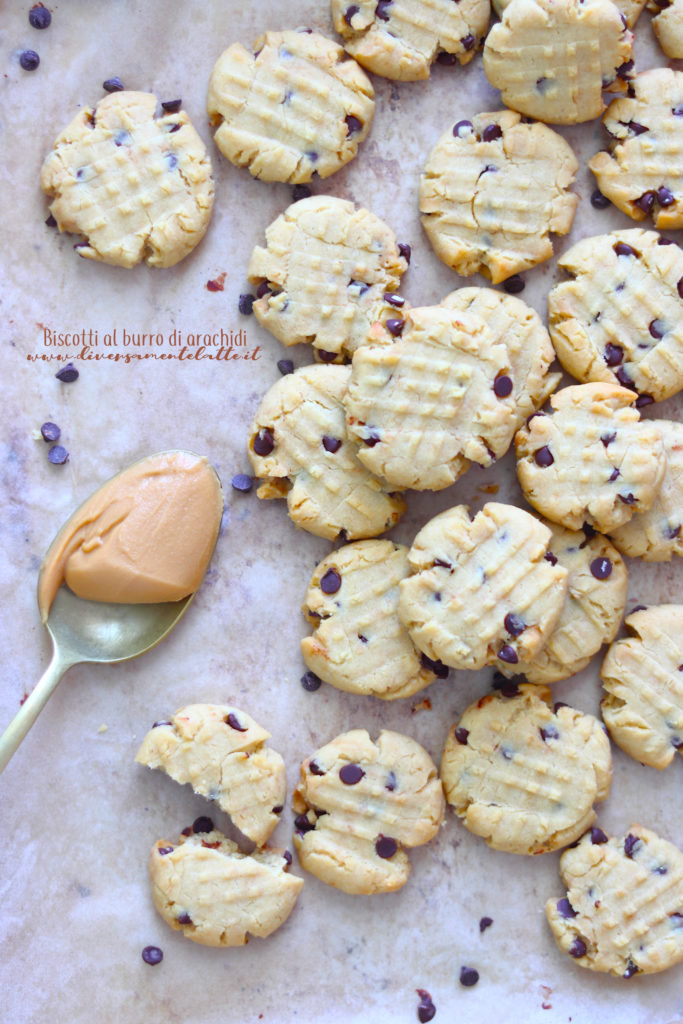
{"points": [[514, 285], [242, 482], [50, 432], [485, 923], [310, 681], [58, 455], [171, 106], [29, 60], [39, 17], [599, 201], [50, 221], [301, 192], [285, 366], [246, 304], [425, 1008], [152, 955], [113, 84], [469, 976], [68, 374]]}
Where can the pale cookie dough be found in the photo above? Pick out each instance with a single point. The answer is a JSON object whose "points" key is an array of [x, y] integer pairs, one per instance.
{"points": [[521, 330], [619, 318], [597, 587], [137, 186], [655, 536], [300, 446], [359, 644], [631, 9], [324, 275], [360, 804], [401, 38], [552, 59], [295, 107], [593, 460], [217, 896], [482, 588], [493, 190], [220, 751], [623, 912], [643, 171], [668, 26], [523, 775], [643, 680], [424, 408]]}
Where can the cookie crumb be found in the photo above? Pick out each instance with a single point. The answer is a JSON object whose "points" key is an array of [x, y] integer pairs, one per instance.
{"points": [[103, 728]]}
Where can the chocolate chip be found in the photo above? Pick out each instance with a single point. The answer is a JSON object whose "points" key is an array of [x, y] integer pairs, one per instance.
{"points": [[263, 289], [599, 201], [676, 920], [351, 774], [598, 836], [246, 304], [152, 955], [461, 735], [508, 654], [353, 124], [514, 624], [242, 482], [385, 847], [613, 354], [58, 455], [624, 71], [29, 60], [643, 400], [312, 156], [315, 769], [263, 442], [622, 249], [665, 196], [285, 366], [278, 809], [514, 285], [460, 129], [437, 667], [550, 557], [172, 161], [601, 568], [614, 474], [331, 582], [502, 386], [679, 287], [548, 732], [578, 948], [559, 704], [331, 444], [449, 59], [665, 241], [164, 850], [492, 132], [507, 753], [157, 724], [184, 918], [673, 531], [50, 432], [608, 438], [381, 9], [349, 13], [631, 844], [171, 106], [68, 374], [656, 329], [302, 824], [444, 565], [543, 457], [39, 17], [623, 378], [394, 300], [234, 723], [484, 923], [468, 976], [363, 639], [631, 969], [310, 681], [628, 499], [50, 221], [301, 192], [287, 857], [507, 687], [326, 357], [113, 85], [405, 251], [390, 784], [372, 439], [395, 327], [565, 908], [425, 1008], [468, 42], [646, 202]]}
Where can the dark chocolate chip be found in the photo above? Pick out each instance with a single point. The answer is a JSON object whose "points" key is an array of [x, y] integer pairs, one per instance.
{"points": [[468, 976], [559, 704], [643, 400], [395, 327], [601, 568], [301, 192], [312, 156], [624, 71], [263, 442], [613, 354], [157, 724], [394, 300], [677, 111], [631, 969], [285, 366], [287, 857], [484, 923], [164, 850], [502, 386], [233, 721], [29, 60], [302, 824], [646, 202], [608, 438], [39, 17], [353, 125], [174, 128], [390, 784], [656, 329], [492, 132], [50, 432], [614, 474], [565, 908], [679, 287], [514, 285], [468, 42], [437, 667], [461, 735], [448, 59], [543, 457], [550, 557], [152, 955], [405, 251], [507, 687], [599, 201], [68, 374], [326, 357], [665, 196], [548, 732], [171, 160], [623, 378], [363, 639], [507, 753], [315, 769], [246, 304], [665, 241], [381, 9], [628, 499], [331, 444], [50, 221], [444, 565], [278, 809], [349, 13], [425, 1008], [622, 249], [184, 918], [351, 774], [372, 439], [263, 289], [460, 129], [113, 85], [637, 129], [676, 920], [514, 624], [598, 837], [171, 106], [58, 455], [331, 582], [631, 844], [242, 482], [385, 847], [673, 531], [578, 948], [508, 654]]}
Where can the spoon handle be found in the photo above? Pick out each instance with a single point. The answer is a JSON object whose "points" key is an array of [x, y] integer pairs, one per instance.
{"points": [[32, 706]]}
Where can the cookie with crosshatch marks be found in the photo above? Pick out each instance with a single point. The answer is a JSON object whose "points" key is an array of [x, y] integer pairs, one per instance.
{"points": [[217, 896], [525, 775], [360, 805], [300, 447], [401, 38], [643, 680], [642, 172], [597, 587], [631, 9], [137, 186], [437, 399], [493, 190], [667, 23], [482, 588], [623, 912], [593, 460], [358, 643], [619, 318], [328, 272], [294, 107], [220, 750]]}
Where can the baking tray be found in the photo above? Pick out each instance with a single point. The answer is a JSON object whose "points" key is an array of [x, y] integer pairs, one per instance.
{"points": [[78, 816]]}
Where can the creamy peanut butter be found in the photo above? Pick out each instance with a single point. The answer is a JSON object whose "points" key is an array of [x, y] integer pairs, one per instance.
{"points": [[147, 535]]}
